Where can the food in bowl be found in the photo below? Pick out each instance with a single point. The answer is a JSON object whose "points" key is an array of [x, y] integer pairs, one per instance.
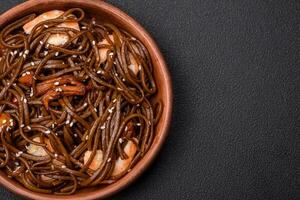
{"points": [[76, 102]]}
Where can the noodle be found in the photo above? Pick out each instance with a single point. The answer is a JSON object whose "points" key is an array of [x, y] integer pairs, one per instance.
{"points": [[78, 114]]}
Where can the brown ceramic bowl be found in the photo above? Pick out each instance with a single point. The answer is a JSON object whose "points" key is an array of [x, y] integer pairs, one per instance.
{"points": [[107, 13]]}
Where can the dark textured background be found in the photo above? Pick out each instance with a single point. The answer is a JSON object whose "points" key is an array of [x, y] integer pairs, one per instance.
{"points": [[235, 129]]}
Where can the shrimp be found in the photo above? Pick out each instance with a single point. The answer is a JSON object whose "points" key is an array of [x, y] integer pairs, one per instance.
{"points": [[63, 91], [57, 39], [96, 162], [122, 165], [53, 14], [134, 67], [38, 150], [103, 51]]}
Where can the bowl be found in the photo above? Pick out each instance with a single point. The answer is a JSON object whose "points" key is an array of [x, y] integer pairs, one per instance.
{"points": [[103, 12]]}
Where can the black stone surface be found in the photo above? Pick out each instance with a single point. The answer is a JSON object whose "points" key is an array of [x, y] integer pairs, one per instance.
{"points": [[235, 129]]}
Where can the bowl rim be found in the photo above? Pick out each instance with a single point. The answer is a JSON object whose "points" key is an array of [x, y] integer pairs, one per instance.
{"points": [[145, 162]]}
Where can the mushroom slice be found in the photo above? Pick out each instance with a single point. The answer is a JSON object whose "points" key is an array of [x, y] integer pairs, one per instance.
{"points": [[97, 161]]}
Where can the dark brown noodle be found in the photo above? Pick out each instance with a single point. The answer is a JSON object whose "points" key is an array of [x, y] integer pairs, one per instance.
{"points": [[73, 103]]}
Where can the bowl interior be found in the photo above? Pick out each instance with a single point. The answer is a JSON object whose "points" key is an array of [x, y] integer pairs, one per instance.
{"points": [[103, 12]]}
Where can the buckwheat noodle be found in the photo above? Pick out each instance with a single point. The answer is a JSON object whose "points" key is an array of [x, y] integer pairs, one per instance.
{"points": [[60, 103]]}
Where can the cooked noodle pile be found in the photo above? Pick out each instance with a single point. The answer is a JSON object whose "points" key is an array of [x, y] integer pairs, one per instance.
{"points": [[76, 102]]}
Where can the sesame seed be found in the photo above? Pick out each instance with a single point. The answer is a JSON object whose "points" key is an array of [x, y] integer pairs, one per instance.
{"points": [[19, 153], [71, 124], [75, 135], [15, 52], [47, 132], [47, 45], [109, 159], [46, 26], [138, 124], [129, 170], [24, 55], [58, 90], [56, 83], [28, 73], [28, 127], [26, 52], [57, 53], [126, 128], [25, 100], [17, 163], [87, 137], [138, 105], [41, 42], [22, 125], [45, 53], [11, 120], [110, 110], [67, 122], [63, 166], [14, 84], [24, 74], [32, 63], [123, 79], [85, 104], [121, 140], [116, 74], [4, 121], [120, 89], [99, 72], [111, 54], [114, 101], [95, 109], [140, 67], [52, 125], [132, 66], [21, 54], [56, 155], [84, 27], [12, 53], [102, 127], [94, 22], [133, 38], [34, 78], [94, 42], [74, 56]]}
